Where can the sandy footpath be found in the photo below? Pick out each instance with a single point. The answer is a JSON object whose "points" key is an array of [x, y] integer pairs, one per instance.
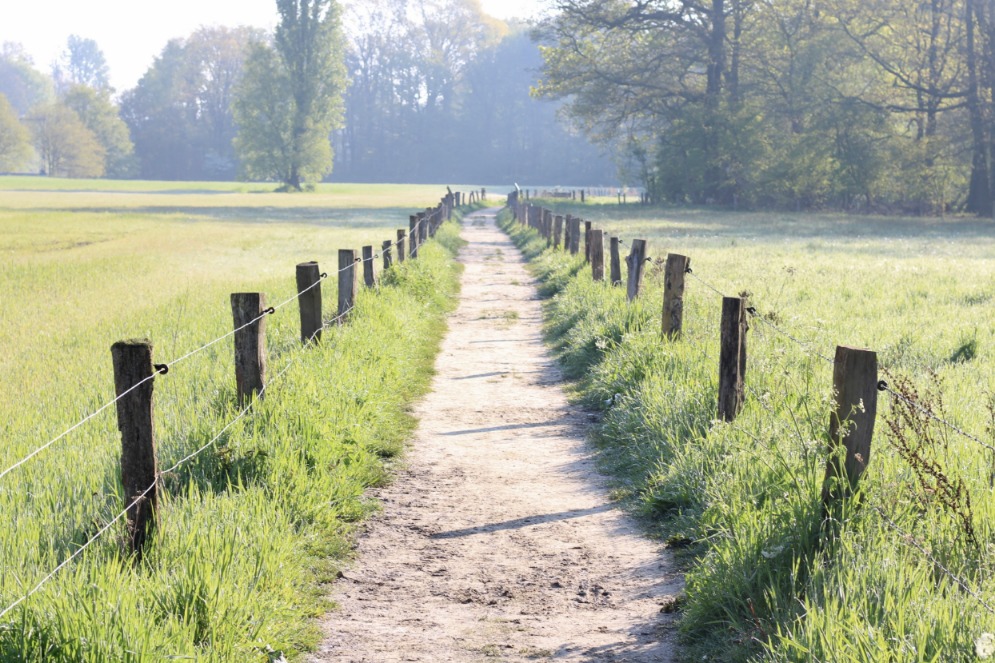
{"points": [[498, 540]]}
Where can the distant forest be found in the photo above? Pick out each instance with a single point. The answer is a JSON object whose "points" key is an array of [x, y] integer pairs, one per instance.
{"points": [[436, 91]]}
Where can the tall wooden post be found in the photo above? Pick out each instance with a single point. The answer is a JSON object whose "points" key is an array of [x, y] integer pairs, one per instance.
{"points": [[587, 241], [582, 195], [635, 261], [412, 236], [250, 344], [347, 281], [309, 301], [385, 250], [574, 235], [547, 227], [566, 232], [615, 263], [597, 251], [400, 244], [732, 357], [369, 274], [424, 219], [673, 294], [557, 231], [139, 473], [851, 425]]}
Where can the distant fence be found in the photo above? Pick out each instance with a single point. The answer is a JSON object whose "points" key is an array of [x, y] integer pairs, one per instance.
{"points": [[856, 380], [622, 194], [135, 371]]}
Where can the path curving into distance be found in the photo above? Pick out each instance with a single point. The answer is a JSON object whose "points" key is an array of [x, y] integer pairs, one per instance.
{"points": [[498, 541]]}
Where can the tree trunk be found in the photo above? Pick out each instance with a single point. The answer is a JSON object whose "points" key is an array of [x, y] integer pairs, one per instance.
{"points": [[979, 197]]}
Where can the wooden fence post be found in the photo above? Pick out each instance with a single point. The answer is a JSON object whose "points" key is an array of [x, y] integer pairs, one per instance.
{"points": [[309, 280], [587, 241], [732, 357], [139, 473], [582, 196], [615, 263], [557, 231], [250, 344], [400, 244], [597, 251], [851, 425], [635, 261], [369, 275], [547, 227], [424, 219], [347, 281], [385, 250], [574, 235], [673, 294], [412, 236]]}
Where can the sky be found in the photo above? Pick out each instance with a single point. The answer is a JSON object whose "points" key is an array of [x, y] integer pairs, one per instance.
{"points": [[132, 32]]}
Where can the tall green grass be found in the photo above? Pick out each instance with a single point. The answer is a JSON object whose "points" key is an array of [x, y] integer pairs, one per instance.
{"points": [[766, 581], [249, 530]]}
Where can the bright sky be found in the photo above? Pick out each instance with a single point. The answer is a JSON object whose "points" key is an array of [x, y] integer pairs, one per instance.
{"points": [[132, 32]]}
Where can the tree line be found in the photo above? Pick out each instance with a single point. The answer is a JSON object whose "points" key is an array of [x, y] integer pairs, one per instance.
{"points": [[411, 79], [853, 104]]}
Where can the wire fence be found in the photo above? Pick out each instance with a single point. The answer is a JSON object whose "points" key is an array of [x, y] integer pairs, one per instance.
{"points": [[442, 213]]}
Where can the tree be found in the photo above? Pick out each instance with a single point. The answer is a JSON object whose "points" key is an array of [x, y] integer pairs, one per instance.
{"points": [[95, 109], [22, 84], [67, 148], [180, 113], [301, 77], [82, 63], [15, 141]]}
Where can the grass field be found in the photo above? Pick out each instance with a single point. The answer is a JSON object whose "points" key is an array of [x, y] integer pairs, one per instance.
{"points": [[909, 578], [252, 526]]}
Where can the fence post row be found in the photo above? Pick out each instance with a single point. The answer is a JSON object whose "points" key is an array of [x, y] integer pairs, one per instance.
{"points": [[673, 294], [309, 301], [139, 473], [732, 357], [635, 261], [250, 344], [851, 424]]}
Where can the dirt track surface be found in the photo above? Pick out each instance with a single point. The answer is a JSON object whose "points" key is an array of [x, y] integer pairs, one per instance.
{"points": [[498, 541]]}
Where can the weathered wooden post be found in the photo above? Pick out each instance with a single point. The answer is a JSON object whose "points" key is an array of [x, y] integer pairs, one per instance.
{"points": [[139, 473], [248, 311], [369, 275], [400, 244], [557, 231], [582, 196], [587, 241], [574, 225], [616, 263], [597, 254], [635, 261], [547, 227], [851, 424], [412, 236], [348, 276], [385, 250], [673, 294], [732, 357], [309, 301], [424, 220]]}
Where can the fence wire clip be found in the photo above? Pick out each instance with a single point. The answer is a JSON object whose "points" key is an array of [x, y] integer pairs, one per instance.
{"points": [[752, 311], [687, 270], [269, 311], [882, 386], [161, 369], [324, 275]]}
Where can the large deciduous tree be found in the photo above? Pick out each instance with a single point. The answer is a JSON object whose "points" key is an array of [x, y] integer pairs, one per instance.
{"points": [[82, 63], [22, 84], [15, 141], [66, 146], [290, 99], [94, 108]]}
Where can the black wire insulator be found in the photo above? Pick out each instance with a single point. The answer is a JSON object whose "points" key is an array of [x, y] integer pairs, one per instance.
{"points": [[161, 369], [882, 386]]}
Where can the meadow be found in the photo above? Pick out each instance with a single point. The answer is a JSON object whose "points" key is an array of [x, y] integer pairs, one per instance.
{"points": [[906, 573], [251, 527]]}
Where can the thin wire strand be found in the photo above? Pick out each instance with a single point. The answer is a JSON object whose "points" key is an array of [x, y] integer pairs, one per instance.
{"points": [[158, 479], [805, 346], [910, 540], [883, 386], [705, 283]]}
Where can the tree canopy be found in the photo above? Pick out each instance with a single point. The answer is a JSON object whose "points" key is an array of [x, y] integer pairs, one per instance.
{"points": [[15, 140]]}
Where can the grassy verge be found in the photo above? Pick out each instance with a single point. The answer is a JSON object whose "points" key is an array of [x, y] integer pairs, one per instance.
{"points": [[251, 528], [909, 578]]}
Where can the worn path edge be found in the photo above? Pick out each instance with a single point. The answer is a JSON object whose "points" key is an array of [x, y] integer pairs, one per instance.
{"points": [[498, 539]]}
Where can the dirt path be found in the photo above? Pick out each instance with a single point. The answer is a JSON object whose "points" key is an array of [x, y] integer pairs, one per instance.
{"points": [[498, 540]]}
